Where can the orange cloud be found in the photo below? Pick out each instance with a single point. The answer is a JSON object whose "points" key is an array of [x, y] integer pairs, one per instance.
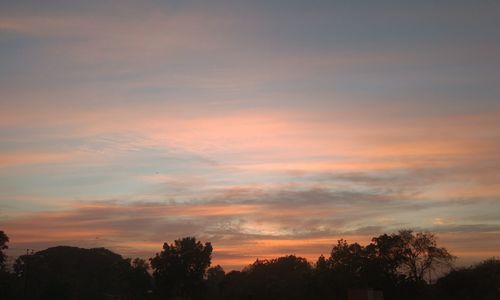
{"points": [[26, 158]]}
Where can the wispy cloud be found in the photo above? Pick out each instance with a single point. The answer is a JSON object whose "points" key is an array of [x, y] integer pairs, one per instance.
{"points": [[266, 128], [248, 223]]}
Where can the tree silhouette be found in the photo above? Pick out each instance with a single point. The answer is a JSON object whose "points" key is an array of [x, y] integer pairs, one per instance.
{"points": [[346, 267], [421, 255], [180, 268], [386, 251], [138, 280], [4, 239], [321, 282], [215, 281], [478, 282], [215, 273], [74, 273], [7, 280], [348, 258], [383, 267], [396, 264], [321, 264], [285, 277]]}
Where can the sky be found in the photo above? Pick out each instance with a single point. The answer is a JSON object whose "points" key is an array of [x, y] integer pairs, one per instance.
{"points": [[265, 127]]}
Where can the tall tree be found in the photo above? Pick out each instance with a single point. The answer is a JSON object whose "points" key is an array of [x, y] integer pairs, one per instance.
{"points": [[138, 281], [414, 255], [386, 254], [396, 263], [285, 277], [215, 280], [421, 255], [180, 268], [74, 273], [348, 257], [481, 281], [4, 239]]}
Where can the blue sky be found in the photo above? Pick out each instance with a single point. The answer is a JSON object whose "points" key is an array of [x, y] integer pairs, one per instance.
{"points": [[266, 127]]}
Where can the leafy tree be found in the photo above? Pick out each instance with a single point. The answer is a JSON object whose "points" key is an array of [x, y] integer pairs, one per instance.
{"points": [[215, 274], [138, 280], [322, 264], [215, 282], [414, 255], [285, 277], [346, 266], [74, 273], [386, 251], [349, 258], [421, 255], [382, 269], [321, 283], [7, 280], [4, 239], [395, 263], [180, 268], [478, 282]]}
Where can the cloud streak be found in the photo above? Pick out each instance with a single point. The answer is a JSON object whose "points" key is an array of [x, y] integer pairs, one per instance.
{"points": [[247, 223], [264, 127]]}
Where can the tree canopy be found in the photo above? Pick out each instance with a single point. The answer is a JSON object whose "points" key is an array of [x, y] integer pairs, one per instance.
{"points": [[179, 270], [65, 272], [481, 281], [397, 265], [4, 239]]}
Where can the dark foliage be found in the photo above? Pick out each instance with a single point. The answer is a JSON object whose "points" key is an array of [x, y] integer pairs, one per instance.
{"points": [[396, 265], [4, 239], [179, 270], [285, 277], [479, 282], [7, 280], [74, 273]]}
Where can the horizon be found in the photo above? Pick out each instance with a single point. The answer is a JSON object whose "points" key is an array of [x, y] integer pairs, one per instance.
{"points": [[267, 128], [437, 272]]}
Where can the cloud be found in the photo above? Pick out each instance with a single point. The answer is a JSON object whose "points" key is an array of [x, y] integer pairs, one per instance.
{"points": [[243, 223], [17, 158], [255, 128]]}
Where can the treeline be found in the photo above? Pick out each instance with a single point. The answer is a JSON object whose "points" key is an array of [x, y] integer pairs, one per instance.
{"points": [[403, 265]]}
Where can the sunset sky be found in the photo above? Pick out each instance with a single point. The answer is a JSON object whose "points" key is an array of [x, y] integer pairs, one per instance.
{"points": [[265, 127]]}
